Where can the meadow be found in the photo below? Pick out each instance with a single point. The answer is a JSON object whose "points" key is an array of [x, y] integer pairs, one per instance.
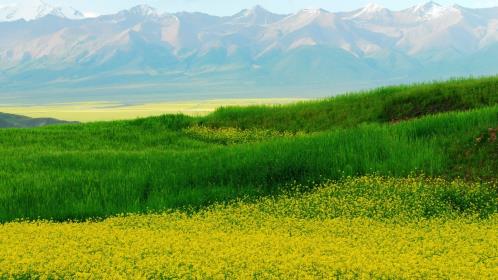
{"points": [[398, 182], [362, 228]]}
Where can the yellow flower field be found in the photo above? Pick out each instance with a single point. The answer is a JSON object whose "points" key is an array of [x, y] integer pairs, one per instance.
{"points": [[273, 238], [109, 111]]}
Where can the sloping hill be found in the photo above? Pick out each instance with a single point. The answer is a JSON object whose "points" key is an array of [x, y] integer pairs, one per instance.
{"points": [[16, 121], [382, 105], [175, 161]]}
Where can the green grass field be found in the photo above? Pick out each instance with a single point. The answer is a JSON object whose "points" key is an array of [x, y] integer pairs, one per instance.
{"points": [[394, 183], [389, 104], [175, 161]]}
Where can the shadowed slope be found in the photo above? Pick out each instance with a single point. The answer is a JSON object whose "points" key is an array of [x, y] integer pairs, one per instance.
{"points": [[16, 121]]}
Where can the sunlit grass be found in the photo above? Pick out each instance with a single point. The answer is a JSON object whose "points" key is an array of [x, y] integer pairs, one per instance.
{"points": [[101, 169], [396, 183], [367, 228]]}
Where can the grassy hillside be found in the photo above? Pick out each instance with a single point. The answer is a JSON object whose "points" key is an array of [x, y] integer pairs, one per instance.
{"points": [[16, 121], [101, 169], [390, 184], [390, 104]]}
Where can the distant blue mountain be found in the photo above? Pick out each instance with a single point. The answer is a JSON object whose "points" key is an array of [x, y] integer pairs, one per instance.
{"points": [[16, 121], [140, 54]]}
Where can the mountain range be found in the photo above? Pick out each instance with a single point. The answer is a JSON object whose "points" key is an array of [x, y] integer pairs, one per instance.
{"points": [[16, 121], [55, 53], [36, 9]]}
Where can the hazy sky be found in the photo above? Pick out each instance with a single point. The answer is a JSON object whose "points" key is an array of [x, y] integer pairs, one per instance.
{"points": [[229, 7]]}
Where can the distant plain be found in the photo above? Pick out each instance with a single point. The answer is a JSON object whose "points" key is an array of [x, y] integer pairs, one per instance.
{"points": [[109, 111]]}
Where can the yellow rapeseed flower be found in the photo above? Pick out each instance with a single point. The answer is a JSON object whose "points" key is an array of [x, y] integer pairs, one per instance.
{"points": [[289, 237]]}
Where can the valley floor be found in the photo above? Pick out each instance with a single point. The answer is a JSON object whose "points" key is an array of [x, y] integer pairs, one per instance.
{"points": [[109, 111]]}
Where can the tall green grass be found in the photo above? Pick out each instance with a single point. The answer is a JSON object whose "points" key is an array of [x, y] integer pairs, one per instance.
{"points": [[102, 169], [389, 104]]}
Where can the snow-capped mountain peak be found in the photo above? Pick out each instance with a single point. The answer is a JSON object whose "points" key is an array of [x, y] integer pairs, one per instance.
{"points": [[307, 16], [7, 13], [43, 9], [426, 7], [256, 10], [373, 8], [143, 10], [370, 11], [256, 15], [35, 9], [430, 10], [67, 12]]}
